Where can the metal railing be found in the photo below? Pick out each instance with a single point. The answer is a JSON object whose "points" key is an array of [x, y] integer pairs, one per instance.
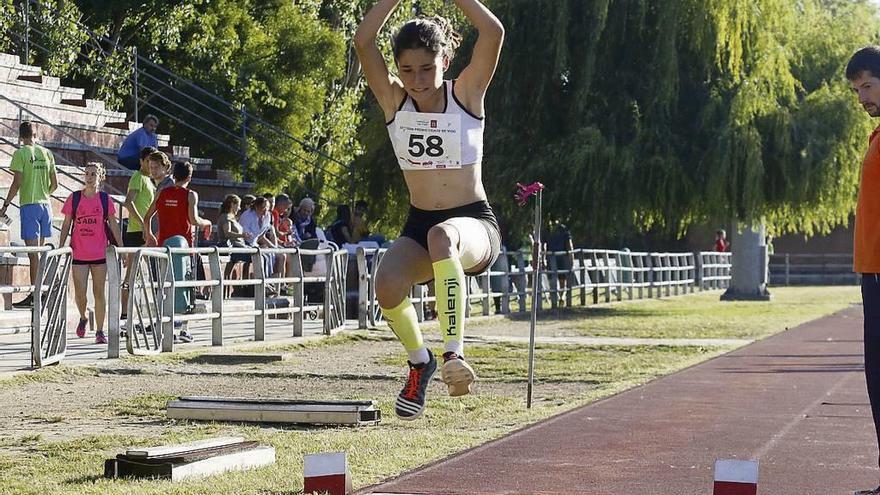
{"points": [[153, 287], [812, 269], [713, 270], [49, 313], [600, 274]]}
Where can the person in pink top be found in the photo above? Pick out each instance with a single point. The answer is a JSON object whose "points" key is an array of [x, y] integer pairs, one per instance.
{"points": [[88, 216]]}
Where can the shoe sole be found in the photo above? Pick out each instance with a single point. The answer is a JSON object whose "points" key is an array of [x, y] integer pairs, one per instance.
{"points": [[422, 410], [458, 377]]}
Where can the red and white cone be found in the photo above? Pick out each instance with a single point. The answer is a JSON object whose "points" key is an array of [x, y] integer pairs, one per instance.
{"points": [[327, 473], [734, 477]]}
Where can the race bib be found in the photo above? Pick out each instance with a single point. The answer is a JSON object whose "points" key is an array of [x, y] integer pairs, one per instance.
{"points": [[427, 141]]}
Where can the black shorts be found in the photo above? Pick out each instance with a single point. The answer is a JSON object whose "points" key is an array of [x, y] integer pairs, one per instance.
{"points": [[92, 262], [133, 239], [419, 222]]}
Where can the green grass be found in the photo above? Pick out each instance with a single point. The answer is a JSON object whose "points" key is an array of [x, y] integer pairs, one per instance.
{"points": [[677, 317], [141, 406], [51, 374]]}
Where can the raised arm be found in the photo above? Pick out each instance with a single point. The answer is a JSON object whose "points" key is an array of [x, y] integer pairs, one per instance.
{"points": [[387, 88], [475, 78]]}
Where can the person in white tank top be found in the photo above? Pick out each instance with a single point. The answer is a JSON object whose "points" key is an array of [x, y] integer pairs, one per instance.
{"points": [[436, 128]]}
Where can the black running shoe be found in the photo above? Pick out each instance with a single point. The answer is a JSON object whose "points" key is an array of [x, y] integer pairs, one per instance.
{"points": [[27, 302], [410, 402], [457, 374]]}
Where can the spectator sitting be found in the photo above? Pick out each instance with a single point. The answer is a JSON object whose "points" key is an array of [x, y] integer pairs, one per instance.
{"points": [[129, 152], [230, 233], [283, 225], [270, 198], [340, 229], [246, 202], [360, 231], [256, 222], [279, 260], [303, 221], [286, 233]]}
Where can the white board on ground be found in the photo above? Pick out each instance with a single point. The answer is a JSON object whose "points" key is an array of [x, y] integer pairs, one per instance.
{"points": [[236, 461], [182, 447]]}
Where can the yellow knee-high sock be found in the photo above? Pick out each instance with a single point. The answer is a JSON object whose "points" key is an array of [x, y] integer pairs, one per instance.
{"points": [[405, 324], [450, 290]]}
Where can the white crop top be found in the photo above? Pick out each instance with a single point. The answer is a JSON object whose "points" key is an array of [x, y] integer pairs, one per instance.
{"points": [[430, 141]]}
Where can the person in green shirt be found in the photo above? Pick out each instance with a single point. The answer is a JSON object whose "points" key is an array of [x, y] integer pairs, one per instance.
{"points": [[34, 180], [138, 199]]}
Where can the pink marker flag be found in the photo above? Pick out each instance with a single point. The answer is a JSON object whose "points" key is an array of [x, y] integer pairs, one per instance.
{"points": [[524, 192]]}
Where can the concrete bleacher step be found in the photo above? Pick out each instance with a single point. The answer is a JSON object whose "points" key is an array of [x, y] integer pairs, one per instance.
{"points": [[34, 78], [83, 103], [55, 112], [117, 125], [11, 67], [14, 88]]}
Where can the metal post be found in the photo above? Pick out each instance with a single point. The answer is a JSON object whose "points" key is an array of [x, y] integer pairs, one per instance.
{"points": [[244, 146], [363, 287], [114, 289], [168, 305], [216, 297], [134, 88], [27, 32], [787, 268], [259, 296], [535, 298]]}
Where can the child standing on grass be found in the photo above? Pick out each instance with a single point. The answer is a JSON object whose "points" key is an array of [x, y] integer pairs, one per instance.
{"points": [[88, 215]]}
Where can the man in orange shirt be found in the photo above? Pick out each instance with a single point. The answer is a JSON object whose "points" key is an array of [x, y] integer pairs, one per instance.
{"points": [[863, 72]]}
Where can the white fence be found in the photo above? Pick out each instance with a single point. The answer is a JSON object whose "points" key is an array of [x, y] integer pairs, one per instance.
{"points": [[566, 276], [153, 291], [813, 269]]}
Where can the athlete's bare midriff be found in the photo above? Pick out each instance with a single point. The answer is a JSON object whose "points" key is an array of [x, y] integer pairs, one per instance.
{"points": [[444, 189]]}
